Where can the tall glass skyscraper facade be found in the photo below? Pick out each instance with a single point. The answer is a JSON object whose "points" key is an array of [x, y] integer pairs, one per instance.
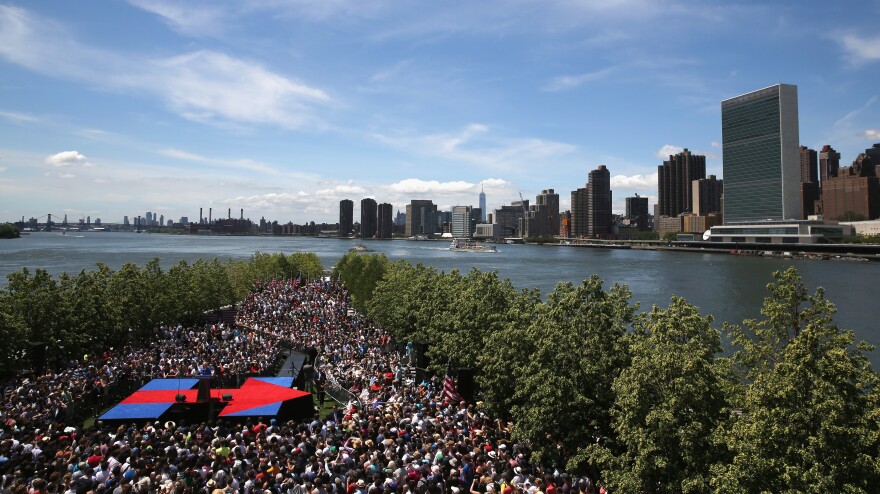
{"points": [[760, 139], [482, 205]]}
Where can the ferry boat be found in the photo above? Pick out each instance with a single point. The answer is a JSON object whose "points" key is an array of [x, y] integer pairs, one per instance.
{"points": [[468, 245]]}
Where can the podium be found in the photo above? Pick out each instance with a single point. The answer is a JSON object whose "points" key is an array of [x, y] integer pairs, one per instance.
{"points": [[204, 394]]}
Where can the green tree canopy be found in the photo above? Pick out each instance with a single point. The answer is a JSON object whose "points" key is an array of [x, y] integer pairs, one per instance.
{"points": [[8, 230], [361, 273], [667, 405], [563, 401], [810, 402]]}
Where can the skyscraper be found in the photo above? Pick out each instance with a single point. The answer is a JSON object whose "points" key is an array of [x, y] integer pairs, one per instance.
{"points": [[809, 181], [599, 202], [829, 163], [809, 165], [759, 132], [346, 217], [854, 194], [460, 226], [482, 204], [421, 218], [580, 219], [510, 218], [591, 205], [706, 194], [674, 178], [368, 218], [543, 219], [873, 152], [637, 211], [384, 224]]}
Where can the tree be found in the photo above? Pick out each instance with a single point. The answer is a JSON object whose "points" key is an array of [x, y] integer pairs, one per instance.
{"points": [[130, 302], [433, 302], [667, 405], [810, 405], [36, 303], [14, 333], [306, 265], [88, 316], [472, 308], [580, 341], [401, 300], [361, 273], [505, 353], [8, 230]]}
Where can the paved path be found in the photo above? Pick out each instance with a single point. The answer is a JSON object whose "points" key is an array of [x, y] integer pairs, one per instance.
{"points": [[292, 365]]}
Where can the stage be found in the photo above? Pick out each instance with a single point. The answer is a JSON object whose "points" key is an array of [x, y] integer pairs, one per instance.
{"points": [[193, 400]]}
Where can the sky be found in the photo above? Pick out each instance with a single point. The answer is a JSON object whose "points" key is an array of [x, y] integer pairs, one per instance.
{"points": [[285, 107]]}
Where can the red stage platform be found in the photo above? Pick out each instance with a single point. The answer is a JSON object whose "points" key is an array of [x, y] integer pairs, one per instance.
{"points": [[257, 397]]}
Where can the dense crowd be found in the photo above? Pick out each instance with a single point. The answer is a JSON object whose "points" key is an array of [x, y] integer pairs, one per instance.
{"points": [[395, 436]]}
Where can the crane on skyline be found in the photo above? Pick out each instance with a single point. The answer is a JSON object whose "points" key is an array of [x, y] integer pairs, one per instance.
{"points": [[525, 218]]}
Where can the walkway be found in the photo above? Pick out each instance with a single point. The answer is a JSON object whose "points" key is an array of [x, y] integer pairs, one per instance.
{"points": [[292, 365]]}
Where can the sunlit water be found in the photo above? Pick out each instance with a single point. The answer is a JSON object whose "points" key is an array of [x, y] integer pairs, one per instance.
{"points": [[731, 288]]}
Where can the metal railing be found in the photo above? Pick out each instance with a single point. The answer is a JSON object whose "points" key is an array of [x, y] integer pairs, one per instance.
{"points": [[336, 391]]}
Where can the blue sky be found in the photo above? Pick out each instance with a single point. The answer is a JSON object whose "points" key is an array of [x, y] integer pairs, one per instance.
{"points": [[284, 107]]}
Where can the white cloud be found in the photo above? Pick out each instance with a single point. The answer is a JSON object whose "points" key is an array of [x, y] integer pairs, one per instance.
{"points": [[716, 144], [3, 169], [65, 175], [332, 10], [446, 194], [185, 18], [851, 116], [565, 82], [390, 72], [99, 135], [68, 159], [417, 186], [499, 18], [18, 117], [861, 49], [667, 151], [270, 201], [475, 145], [494, 182], [45, 46], [204, 86], [207, 86], [635, 181], [245, 164], [183, 155], [872, 134], [340, 191]]}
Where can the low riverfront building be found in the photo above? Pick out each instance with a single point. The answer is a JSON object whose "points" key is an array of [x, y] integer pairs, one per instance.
{"points": [[780, 232]]}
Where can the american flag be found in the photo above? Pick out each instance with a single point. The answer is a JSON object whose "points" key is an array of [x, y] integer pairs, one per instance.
{"points": [[449, 390]]}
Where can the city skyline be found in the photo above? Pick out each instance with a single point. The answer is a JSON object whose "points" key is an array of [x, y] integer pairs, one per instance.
{"points": [[284, 109]]}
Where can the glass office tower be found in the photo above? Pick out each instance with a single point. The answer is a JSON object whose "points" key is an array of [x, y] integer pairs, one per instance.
{"points": [[759, 132]]}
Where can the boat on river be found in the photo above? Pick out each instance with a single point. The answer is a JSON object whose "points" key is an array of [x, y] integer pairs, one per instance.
{"points": [[468, 245]]}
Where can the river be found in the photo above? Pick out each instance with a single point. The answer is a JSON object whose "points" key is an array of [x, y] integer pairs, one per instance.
{"points": [[731, 288]]}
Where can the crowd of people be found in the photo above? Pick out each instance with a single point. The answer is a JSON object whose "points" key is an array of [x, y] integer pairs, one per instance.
{"points": [[394, 435]]}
